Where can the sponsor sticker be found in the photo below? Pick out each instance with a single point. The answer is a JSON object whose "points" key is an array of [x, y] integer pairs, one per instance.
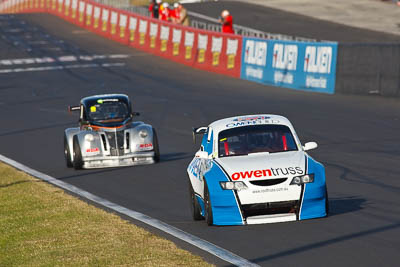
{"points": [[60, 5], [318, 59], [216, 48], [202, 47], [189, 42], [283, 77], [132, 28], [96, 15], [153, 34], [271, 172], [231, 51], [164, 36], [285, 56], [257, 73], [104, 18], [81, 10], [251, 118], [89, 9], [95, 150], [142, 31], [142, 147], [67, 6], [256, 120], [270, 190], [256, 53], [114, 20], [74, 8], [176, 40], [123, 20]]}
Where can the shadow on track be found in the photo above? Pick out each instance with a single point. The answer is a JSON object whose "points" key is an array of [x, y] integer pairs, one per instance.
{"points": [[345, 205], [164, 158], [328, 242], [174, 156]]}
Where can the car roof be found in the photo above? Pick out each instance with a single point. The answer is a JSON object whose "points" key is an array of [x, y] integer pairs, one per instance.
{"points": [[247, 120], [104, 96]]}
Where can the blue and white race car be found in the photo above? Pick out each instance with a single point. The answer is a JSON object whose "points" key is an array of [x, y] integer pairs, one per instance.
{"points": [[253, 169]]}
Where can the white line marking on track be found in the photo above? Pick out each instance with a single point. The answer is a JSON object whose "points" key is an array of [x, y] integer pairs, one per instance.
{"points": [[182, 235], [66, 58], [61, 67]]}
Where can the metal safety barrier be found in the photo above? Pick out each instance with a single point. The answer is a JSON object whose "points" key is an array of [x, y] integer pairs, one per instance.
{"points": [[203, 22]]}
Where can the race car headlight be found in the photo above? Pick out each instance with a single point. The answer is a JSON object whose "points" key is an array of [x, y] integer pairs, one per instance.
{"points": [[143, 133], [89, 137], [304, 179], [233, 185]]}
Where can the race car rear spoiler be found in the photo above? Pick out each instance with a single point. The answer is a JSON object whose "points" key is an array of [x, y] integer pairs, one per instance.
{"points": [[198, 130], [74, 108]]}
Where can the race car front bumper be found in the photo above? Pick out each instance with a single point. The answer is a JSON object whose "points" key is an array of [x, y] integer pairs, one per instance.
{"points": [[273, 212], [139, 158]]}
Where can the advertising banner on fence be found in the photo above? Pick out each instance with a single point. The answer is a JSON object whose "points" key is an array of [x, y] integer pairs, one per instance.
{"points": [[297, 65], [211, 51]]}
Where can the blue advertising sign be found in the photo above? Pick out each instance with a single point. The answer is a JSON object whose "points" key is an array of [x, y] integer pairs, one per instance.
{"points": [[297, 65]]}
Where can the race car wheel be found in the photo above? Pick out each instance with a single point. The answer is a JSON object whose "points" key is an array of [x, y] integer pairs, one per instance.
{"points": [[207, 206], [156, 147], [326, 201], [194, 205], [78, 162], [67, 153]]}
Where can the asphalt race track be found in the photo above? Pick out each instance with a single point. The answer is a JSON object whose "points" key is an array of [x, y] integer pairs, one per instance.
{"points": [[278, 21], [358, 141]]}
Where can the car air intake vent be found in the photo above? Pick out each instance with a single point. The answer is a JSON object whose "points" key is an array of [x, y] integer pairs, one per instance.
{"points": [[269, 182], [116, 141]]}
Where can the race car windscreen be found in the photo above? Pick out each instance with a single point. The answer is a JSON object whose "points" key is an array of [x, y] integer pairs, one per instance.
{"points": [[255, 139], [107, 109]]}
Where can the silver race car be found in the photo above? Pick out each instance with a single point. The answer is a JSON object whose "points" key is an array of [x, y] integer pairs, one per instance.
{"points": [[108, 136]]}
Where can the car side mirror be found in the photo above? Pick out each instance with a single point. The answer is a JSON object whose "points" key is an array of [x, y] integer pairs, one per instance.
{"points": [[201, 154], [310, 145]]}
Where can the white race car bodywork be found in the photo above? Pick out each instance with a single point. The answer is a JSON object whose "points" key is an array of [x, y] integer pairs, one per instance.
{"points": [[268, 195], [103, 150], [107, 136]]}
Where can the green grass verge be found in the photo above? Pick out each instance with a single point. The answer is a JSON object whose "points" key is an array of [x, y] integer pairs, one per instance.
{"points": [[41, 225]]}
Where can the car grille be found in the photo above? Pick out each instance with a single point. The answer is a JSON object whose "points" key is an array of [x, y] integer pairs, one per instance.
{"points": [[270, 208], [116, 142], [268, 182]]}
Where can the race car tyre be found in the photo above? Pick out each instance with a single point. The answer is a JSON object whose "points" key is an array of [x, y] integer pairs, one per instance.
{"points": [[78, 162], [208, 216], [194, 205], [156, 147], [326, 201], [67, 153]]}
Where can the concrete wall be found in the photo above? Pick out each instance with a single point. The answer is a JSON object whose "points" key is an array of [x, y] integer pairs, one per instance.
{"points": [[368, 69]]}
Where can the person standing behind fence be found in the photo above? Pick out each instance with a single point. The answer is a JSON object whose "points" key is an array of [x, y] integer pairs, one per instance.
{"points": [[180, 15], [154, 8], [152, 3], [165, 12], [227, 22]]}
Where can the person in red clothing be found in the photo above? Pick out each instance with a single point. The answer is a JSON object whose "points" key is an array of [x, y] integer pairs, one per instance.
{"points": [[179, 15], [165, 12], [227, 22]]}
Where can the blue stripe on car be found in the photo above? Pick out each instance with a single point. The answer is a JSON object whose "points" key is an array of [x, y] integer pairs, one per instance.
{"points": [[314, 197], [223, 202]]}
